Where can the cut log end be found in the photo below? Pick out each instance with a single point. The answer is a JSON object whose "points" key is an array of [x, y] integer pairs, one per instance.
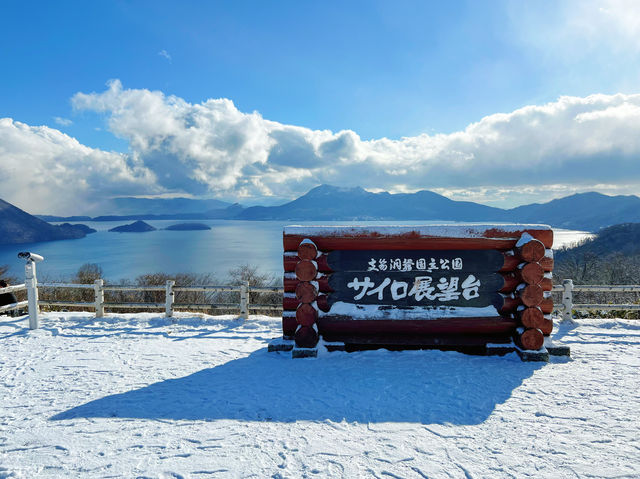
{"points": [[531, 317], [306, 270], [532, 251], [306, 292], [532, 273], [531, 295], [306, 337], [306, 315], [307, 251], [531, 339]]}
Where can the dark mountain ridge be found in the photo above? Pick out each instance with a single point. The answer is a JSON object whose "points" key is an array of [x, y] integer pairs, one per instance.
{"points": [[587, 211], [343, 204], [18, 226]]}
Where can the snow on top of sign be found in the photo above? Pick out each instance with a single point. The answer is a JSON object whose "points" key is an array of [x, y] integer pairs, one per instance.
{"points": [[524, 239], [467, 230], [374, 312]]}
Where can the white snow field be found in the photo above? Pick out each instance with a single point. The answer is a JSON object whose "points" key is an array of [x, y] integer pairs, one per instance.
{"points": [[142, 396]]}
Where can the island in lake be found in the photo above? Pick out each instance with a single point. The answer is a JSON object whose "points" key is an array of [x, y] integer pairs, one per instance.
{"points": [[135, 227], [188, 227]]}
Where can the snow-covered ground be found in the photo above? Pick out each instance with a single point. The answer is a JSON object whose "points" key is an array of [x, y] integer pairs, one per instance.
{"points": [[141, 396]]}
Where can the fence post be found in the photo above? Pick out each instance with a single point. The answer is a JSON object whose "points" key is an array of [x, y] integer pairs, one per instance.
{"points": [[32, 293], [168, 303], [567, 299], [244, 300], [98, 285]]}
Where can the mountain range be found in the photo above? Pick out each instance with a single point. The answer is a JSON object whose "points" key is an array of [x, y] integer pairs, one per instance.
{"points": [[583, 211]]}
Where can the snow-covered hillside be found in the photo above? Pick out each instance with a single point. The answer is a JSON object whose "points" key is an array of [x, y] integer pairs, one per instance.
{"points": [[141, 396]]}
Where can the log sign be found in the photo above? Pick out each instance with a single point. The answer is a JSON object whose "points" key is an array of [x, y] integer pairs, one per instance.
{"points": [[481, 281]]}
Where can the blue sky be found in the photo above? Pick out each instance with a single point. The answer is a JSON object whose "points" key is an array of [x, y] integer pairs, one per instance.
{"points": [[377, 69]]}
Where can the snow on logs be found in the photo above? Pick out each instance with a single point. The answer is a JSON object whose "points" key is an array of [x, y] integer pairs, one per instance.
{"points": [[426, 280]]}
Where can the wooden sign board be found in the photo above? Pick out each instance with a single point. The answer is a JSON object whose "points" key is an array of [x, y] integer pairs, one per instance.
{"points": [[454, 285]]}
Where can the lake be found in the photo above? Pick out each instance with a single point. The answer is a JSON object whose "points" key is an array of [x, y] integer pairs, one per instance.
{"points": [[227, 245]]}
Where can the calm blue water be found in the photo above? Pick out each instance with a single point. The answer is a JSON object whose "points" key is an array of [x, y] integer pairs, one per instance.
{"points": [[227, 245]]}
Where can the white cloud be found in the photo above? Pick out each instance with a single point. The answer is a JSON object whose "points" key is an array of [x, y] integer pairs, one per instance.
{"points": [[213, 146], [45, 171], [165, 54], [531, 154], [62, 121]]}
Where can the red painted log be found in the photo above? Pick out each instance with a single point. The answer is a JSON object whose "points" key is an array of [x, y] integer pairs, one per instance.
{"points": [[511, 282], [546, 263], [546, 326], [306, 270], [290, 303], [491, 239], [306, 337], [306, 292], [289, 325], [306, 314], [509, 305], [511, 263], [532, 273], [532, 251], [546, 284], [290, 262], [323, 303], [530, 317], [531, 295], [530, 339], [307, 250], [290, 285], [546, 305]]}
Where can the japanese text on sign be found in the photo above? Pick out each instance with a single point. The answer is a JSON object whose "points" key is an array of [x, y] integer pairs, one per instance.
{"points": [[446, 289], [408, 264]]}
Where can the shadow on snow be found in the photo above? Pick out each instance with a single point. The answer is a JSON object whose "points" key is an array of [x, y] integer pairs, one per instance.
{"points": [[369, 386]]}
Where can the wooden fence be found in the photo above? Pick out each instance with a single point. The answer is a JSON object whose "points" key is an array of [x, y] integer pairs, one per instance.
{"points": [[31, 285], [13, 306], [169, 290]]}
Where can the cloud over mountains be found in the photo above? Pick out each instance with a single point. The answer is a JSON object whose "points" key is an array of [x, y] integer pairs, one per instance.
{"points": [[212, 147]]}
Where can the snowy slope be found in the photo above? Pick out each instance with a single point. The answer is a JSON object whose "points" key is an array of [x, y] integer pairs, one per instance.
{"points": [[140, 396]]}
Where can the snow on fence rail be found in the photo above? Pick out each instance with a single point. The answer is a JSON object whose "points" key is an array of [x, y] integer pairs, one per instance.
{"points": [[13, 306]]}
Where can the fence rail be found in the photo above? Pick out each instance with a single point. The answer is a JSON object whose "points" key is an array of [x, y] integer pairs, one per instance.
{"points": [[568, 288], [31, 286], [169, 290], [13, 306]]}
